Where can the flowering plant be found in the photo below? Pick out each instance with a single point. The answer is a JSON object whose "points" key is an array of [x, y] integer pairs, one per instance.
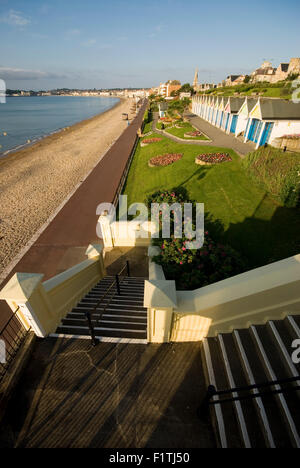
{"points": [[291, 137], [164, 159], [213, 158], [194, 134], [192, 268], [151, 140]]}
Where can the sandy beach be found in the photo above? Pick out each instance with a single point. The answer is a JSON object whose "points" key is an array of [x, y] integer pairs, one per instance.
{"points": [[35, 180]]}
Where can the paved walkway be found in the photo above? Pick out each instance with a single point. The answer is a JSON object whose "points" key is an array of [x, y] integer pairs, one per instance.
{"points": [[217, 136], [110, 396]]}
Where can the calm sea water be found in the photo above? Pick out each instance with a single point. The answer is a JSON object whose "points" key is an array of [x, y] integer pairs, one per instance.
{"points": [[30, 118]]}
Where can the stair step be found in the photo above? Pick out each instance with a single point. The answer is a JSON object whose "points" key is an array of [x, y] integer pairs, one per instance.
{"points": [[101, 331], [103, 323], [102, 339], [251, 433], [124, 318], [257, 402], [274, 370], [216, 410], [113, 309], [230, 422], [101, 291], [283, 340], [292, 326], [124, 294], [115, 300]]}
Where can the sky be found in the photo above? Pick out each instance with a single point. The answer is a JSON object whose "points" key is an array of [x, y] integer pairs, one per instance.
{"points": [[130, 43]]}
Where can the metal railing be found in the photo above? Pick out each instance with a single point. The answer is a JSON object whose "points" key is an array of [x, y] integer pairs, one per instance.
{"points": [[12, 335], [114, 288], [212, 392]]}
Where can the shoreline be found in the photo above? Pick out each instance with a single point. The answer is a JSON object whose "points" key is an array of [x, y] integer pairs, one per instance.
{"points": [[35, 180], [21, 148]]}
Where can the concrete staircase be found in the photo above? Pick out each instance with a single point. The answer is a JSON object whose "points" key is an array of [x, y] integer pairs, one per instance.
{"points": [[119, 318], [247, 357]]}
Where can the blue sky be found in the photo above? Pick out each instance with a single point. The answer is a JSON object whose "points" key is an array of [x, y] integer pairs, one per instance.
{"points": [[116, 43]]}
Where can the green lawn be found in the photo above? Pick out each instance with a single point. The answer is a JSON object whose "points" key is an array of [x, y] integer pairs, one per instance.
{"points": [[242, 213], [184, 128]]}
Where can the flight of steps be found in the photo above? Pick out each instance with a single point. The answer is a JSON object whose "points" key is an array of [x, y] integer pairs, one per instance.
{"points": [[251, 356], [124, 318]]}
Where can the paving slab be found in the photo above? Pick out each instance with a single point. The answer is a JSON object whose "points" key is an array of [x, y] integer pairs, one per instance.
{"points": [[110, 396]]}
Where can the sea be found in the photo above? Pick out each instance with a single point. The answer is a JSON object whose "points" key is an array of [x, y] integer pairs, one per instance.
{"points": [[24, 120]]}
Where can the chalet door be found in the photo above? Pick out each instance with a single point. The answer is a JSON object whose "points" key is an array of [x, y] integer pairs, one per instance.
{"points": [[233, 123], [267, 133]]}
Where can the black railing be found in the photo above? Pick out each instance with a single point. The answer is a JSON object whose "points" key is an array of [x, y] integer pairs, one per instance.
{"points": [[12, 336], [212, 392], [114, 288]]}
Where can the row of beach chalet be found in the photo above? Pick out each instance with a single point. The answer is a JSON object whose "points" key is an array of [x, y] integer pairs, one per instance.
{"points": [[258, 120]]}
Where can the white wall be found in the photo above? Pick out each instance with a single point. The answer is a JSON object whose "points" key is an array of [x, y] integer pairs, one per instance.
{"points": [[284, 128]]}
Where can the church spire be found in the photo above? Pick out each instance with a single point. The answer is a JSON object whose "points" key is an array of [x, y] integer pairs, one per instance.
{"points": [[195, 82]]}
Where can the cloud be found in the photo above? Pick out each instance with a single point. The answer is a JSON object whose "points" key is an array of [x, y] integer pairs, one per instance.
{"points": [[73, 32], [15, 18], [89, 42], [21, 74], [156, 30]]}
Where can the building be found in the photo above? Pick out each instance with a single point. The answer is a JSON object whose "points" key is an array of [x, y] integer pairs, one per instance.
{"points": [[294, 66], [282, 72], [270, 119], [162, 108], [265, 73], [272, 75], [233, 80], [243, 116], [185, 95], [195, 82], [258, 120], [166, 89]]}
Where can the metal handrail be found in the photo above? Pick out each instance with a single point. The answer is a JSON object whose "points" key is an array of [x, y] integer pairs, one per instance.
{"points": [[13, 338], [89, 313], [213, 392]]}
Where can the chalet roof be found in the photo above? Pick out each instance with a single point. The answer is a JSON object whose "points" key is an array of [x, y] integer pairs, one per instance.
{"points": [[284, 67], [278, 109], [265, 71], [233, 77], [251, 103], [236, 103]]}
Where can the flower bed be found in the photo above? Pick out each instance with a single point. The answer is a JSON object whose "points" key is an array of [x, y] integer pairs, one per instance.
{"points": [[148, 141], [164, 159], [193, 134], [291, 137], [212, 158]]}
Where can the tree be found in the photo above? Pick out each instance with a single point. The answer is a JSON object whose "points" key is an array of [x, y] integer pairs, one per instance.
{"points": [[247, 79], [186, 88]]}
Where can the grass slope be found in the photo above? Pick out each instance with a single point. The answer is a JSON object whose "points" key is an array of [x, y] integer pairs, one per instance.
{"points": [[180, 132], [243, 213]]}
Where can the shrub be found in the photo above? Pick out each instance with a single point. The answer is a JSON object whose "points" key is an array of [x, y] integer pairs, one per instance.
{"points": [[192, 268], [278, 171]]}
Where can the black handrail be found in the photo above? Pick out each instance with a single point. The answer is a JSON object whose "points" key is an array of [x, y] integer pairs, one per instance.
{"points": [[89, 313], [213, 392], [12, 334]]}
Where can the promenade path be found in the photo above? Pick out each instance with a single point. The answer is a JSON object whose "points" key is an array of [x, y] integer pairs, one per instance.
{"points": [[64, 241], [217, 137]]}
